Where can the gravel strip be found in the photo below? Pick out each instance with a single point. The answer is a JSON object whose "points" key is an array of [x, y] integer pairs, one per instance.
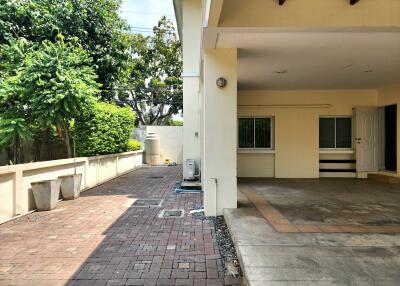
{"points": [[225, 245]]}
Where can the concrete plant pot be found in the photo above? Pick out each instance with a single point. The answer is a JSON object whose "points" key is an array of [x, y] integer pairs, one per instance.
{"points": [[70, 186], [46, 194]]}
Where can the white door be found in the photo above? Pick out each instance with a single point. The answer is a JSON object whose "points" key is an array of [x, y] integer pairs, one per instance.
{"points": [[366, 141]]}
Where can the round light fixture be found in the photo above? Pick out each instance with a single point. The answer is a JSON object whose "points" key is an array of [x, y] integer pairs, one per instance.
{"points": [[221, 82], [281, 71]]}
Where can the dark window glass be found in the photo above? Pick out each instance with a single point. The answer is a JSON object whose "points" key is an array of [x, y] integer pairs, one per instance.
{"points": [[263, 132], [327, 133], [343, 132], [246, 133]]}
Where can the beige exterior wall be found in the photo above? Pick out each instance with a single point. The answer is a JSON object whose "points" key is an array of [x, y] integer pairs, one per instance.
{"points": [[297, 127], [192, 22], [310, 13], [16, 196], [255, 165], [388, 96], [219, 131]]}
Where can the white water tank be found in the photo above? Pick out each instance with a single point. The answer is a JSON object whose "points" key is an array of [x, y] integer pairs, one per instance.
{"points": [[152, 149]]}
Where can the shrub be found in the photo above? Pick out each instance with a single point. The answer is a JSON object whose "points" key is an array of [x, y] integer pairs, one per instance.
{"points": [[172, 122], [104, 129], [133, 145]]}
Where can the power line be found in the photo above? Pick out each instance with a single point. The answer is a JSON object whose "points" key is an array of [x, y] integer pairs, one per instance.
{"points": [[141, 28], [148, 28], [145, 13]]}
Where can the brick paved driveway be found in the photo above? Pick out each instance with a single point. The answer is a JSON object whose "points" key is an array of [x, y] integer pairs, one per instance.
{"points": [[100, 239]]}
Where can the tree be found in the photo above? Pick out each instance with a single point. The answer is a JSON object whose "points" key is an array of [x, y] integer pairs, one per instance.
{"points": [[14, 125], [154, 89], [96, 24], [53, 84]]}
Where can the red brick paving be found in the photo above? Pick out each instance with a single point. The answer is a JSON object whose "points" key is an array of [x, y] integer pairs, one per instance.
{"points": [[100, 240]]}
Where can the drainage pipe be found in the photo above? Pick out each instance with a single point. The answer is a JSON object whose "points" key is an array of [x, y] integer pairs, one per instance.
{"points": [[216, 199]]}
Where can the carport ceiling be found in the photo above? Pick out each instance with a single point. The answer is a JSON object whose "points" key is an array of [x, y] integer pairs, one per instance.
{"points": [[315, 60]]}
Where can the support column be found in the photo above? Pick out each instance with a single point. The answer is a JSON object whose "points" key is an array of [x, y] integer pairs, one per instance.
{"points": [[191, 46], [219, 146]]}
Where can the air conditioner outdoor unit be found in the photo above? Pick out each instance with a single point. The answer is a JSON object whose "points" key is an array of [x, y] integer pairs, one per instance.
{"points": [[190, 170]]}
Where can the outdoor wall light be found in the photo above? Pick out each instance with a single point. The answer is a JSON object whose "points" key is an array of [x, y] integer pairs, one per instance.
{"points": [[221, 82]]}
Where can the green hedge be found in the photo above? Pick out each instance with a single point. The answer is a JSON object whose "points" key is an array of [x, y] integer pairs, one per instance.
{"points": [[105, 129], [133, 145]]}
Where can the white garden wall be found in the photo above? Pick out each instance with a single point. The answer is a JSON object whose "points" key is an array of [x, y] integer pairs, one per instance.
{"points": [[15, 181], [171, 141]]}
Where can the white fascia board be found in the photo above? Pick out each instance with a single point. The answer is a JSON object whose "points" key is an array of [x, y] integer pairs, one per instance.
{"points": [[207, 13], [179, 15]]}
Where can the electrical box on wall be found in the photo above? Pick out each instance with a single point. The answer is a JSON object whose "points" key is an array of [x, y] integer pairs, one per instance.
{"points": [[190, 170]]}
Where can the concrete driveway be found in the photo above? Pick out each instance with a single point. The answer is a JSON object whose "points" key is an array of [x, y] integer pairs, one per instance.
{"points": [[317, 232]]}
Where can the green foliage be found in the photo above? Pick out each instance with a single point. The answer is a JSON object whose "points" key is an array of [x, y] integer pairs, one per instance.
{"points": [[96, 24], [59, 82], [133, 145], [172, 122], [105, 129], [46, 84], [12, 130], [155, 85]]}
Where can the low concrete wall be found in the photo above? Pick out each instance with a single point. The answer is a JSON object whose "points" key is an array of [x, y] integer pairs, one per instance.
{"points": [[16, 196], [171, 141]]}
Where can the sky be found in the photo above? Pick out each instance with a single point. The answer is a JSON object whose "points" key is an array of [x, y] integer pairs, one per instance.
{"points": [[143, 15]]}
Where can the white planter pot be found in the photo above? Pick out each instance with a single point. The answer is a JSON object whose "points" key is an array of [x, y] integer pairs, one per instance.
{"points": [[46, 194], [70, 186]]}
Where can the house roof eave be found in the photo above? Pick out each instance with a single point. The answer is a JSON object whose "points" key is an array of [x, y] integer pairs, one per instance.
{"points": [[179, 16]]}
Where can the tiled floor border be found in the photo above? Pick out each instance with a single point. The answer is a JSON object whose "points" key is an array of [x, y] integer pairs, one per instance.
{"points": [[281, 224]]}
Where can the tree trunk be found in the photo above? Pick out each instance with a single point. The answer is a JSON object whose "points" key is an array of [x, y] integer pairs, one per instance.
{"points": [[15, 150], [68, 142], [44, 145]]}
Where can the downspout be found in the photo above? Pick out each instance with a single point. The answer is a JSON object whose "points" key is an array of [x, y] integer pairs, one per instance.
{"points": [[216, 197]]}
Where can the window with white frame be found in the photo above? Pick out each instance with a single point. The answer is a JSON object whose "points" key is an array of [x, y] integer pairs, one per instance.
{"points": [[335, 132], [255, 133]]}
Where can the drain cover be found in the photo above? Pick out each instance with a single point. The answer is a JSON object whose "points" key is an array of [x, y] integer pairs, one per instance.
{"points": [[155, 177], [171, 213], [146, 203]]}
